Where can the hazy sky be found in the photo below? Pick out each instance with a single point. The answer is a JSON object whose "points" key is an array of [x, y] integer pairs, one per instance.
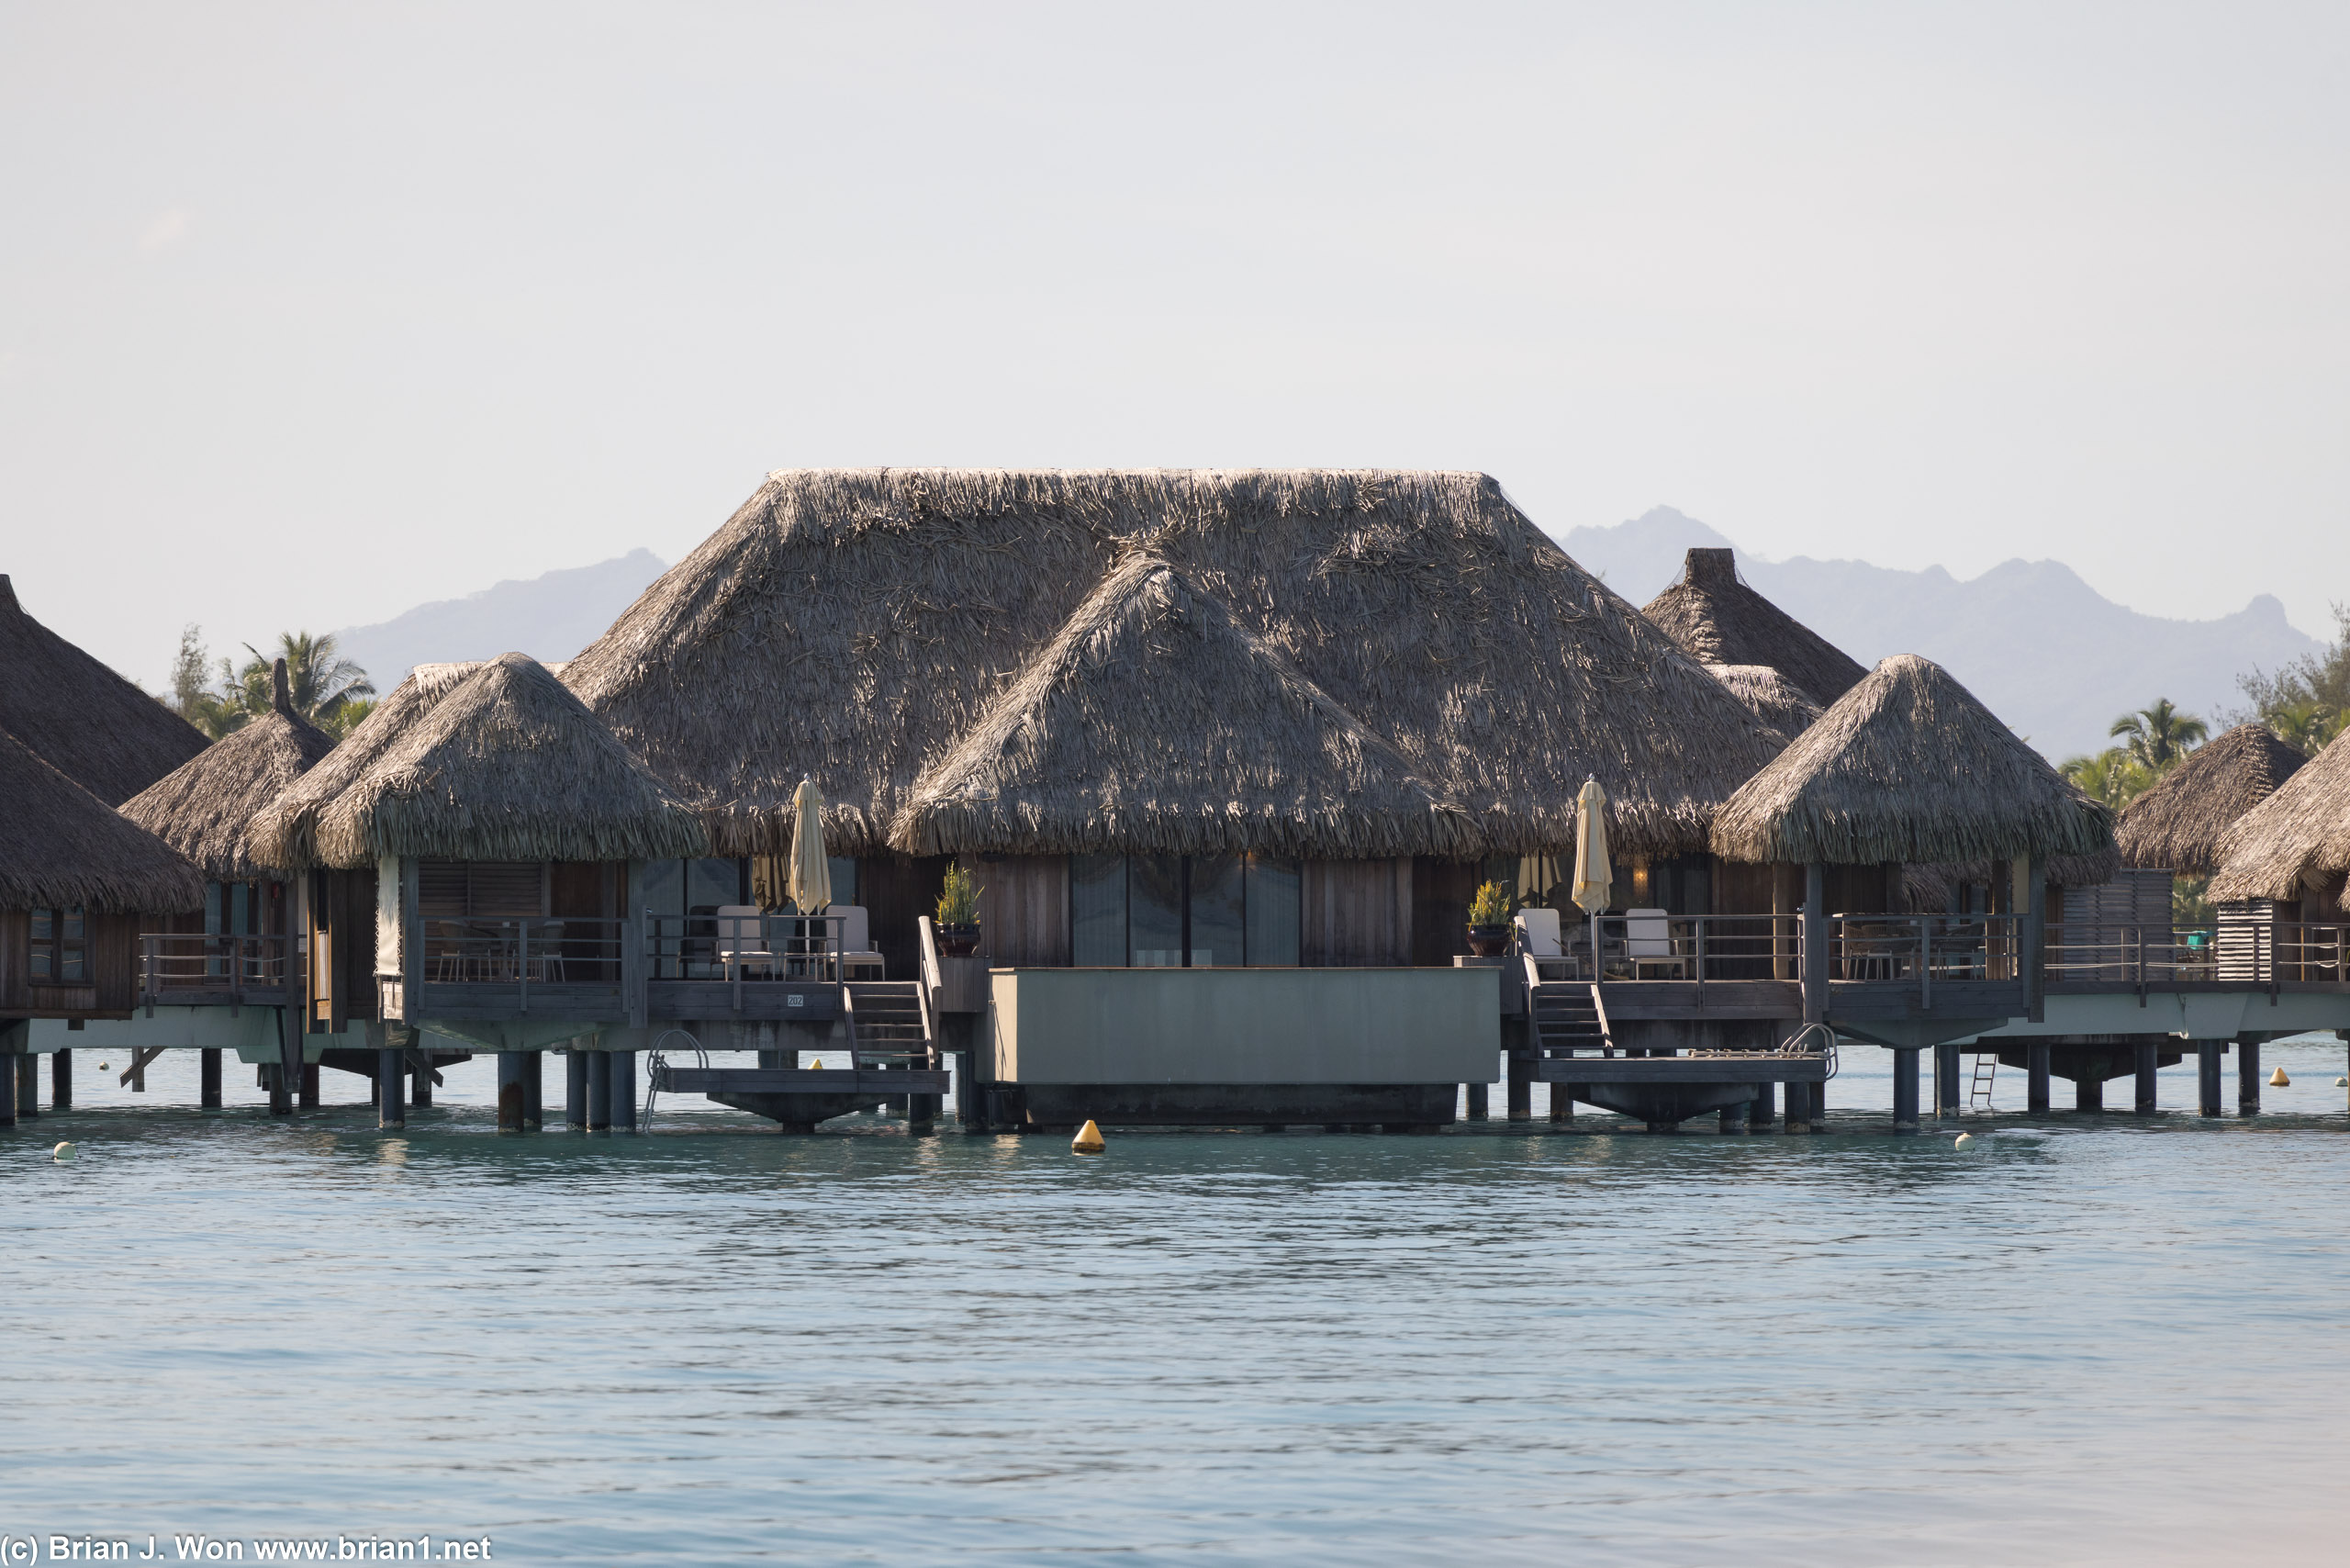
{"points": [[310, 312]]}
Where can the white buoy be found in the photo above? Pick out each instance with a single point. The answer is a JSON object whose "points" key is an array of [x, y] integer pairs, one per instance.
{"points": [[1965, 1141], [66, 1154], [2342, 1083]]}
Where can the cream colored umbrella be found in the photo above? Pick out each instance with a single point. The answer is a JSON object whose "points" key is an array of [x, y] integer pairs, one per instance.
{"points": [[1592, 875], [811, 885]]}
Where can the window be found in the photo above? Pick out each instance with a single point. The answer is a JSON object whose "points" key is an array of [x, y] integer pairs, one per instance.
{"points": [[1183, 911], [453, 889], [60, 947]]}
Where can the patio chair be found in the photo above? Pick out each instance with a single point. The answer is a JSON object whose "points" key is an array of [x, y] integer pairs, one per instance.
{"points": [[1647, 943], [742, 944], [858, 957]]}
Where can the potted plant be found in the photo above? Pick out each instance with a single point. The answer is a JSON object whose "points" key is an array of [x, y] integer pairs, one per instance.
{"points": [[958, 913], [1489, 922]]}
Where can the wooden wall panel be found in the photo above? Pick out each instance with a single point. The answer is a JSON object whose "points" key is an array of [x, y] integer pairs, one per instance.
{"points": [[114, 960], [898, 890], [16, 958], [1023, 911], [1441, 893], [1357, 914]]}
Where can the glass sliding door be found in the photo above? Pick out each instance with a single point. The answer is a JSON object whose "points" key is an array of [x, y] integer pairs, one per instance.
{"points": [[1218, 926], [1183, 911], [1155, 910], [1272, 905], [1097, 910]]}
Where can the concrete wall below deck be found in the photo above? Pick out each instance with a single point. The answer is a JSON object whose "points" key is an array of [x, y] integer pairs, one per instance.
{"points": [[1237, 1025]]}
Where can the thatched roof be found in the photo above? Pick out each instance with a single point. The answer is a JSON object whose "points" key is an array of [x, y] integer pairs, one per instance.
{"points": [[2179, 822], [854, 625], [1718, 620], [61, 846], [1769, 695], [1154, 722], [2295, 841], [508, 764], [284, 832], [206, 809], [1908, 765], [79, 716]]}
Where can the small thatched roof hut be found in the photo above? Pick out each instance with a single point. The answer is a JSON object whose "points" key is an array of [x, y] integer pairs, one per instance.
{"points": [[61, 847], [508, 764], [284, 832], [855, 625], [80, 717], [1769, 695], [205, 808], [1154, 722], [2295, 841], [1718, 620], [2177, 825], [1908, 767]]}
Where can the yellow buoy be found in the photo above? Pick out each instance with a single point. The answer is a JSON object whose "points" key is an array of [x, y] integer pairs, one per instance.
{"points": [[1088, 1140], [2277, 1079], [1965, 1140], [66, 1154]]}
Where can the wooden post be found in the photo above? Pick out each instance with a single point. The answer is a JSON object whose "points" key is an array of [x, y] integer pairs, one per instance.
{"points": [[1480, 1107], [623, 1090], [1815, 943], [634, 939], [391, 1106], [288, 1064], [210, 1077], [22, 1034], [533, 1099], [1764, 1109], [2147, 1064], [574, 1088], [2207, 1076], [510, 1091], [1905, 1091], [2035, 938], [309, 1098], [2035, 1055], [60, 1079], [1562, 1102], [420, 1078], [1947, 1088], [600, 1091], [28, 1086], [1798, 1109], [2247, 1076], [1520, 1087]]}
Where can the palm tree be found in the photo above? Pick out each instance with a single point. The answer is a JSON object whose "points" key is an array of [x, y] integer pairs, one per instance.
{"points": [[2306, 725], [318, 679], [2113, 776], [2159, 736]]}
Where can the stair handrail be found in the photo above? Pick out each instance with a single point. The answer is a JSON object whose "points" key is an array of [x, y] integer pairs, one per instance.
{"points": [[932, 978], [1607, 1035], [848, 1016]]}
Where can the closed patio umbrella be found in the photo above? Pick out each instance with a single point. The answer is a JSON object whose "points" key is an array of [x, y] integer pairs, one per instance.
{"points": [[810, 886], [1592, 875]]}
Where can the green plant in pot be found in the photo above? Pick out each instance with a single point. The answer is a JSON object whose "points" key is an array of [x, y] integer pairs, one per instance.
{"points": [[1489, 921], [958, 913]]}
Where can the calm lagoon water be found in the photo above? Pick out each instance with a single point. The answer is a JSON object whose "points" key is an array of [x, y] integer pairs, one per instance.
{"points": [[2090, 1340]]}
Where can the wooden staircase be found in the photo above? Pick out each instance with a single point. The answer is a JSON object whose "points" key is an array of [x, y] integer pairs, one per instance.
{"points": [[1566, 1018], [887, 1021]]}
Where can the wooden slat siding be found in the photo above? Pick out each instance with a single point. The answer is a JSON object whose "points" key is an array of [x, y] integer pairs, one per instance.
{"points": [[1357, 914], [16, 958], [1741, 887], [1023, 912], [897, 891], [1441, 893], [113, 958]]}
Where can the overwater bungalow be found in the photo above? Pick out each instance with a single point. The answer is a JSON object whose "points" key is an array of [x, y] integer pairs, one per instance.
{"points": [[1718, 620], [74, 876], [2287, 858], [80, 717]]}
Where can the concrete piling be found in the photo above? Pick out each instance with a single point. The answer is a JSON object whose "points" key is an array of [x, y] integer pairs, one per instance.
{"points": [[510, 1091], [1905, 1091], [391, 1106], [574, 1089], [623, 1090], [2148, 1063], [2247, 1077], [2089, 1090], [534, 1098], [60, 1079], [29, 1087], [1763, 1109], [2206, 1077], [2036, 1060], [600, 1091], [309, 1096], [1478, 1108], [1947, 1095]]}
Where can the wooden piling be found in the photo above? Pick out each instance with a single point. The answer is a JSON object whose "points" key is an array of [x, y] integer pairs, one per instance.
{"points": [[1480, 1108], [60, 1079], [1947, 1092], [2247, 1076], [29, 1087], [1520, 1087], [391, 1106], [2036, 1077], [2148, 1092], [1763, 1109], [1562, 1102], [309, 1096], [2207, 1076], [421, 1080], [533, 1095], [623, 1090], [574, 1089], [510, 1091], [280, 1089], [9, 1097], [1905, 1091], [600, 1091], [1798, 1114], [208, 1075]]}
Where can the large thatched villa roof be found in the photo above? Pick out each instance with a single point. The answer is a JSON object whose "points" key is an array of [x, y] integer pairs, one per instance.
{"points": [[284, 832], [60, 846], [856, 626], [1769, 695], [80, 717], [2179, 824], [1908, 767], [2297, 840], [205, 808], [1154, 722], [1718, 620], [508, 764]]}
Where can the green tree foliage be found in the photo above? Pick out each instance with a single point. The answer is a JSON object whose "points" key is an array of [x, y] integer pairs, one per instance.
{"points": [[2159, 736], [327, 688], [2307, 702], [347, 715], [2112, 776]]}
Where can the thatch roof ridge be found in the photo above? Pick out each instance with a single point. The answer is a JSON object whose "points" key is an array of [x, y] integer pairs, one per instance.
{"points": [[1154, 722], [1908, 767], [1769, 695], [284, 835], [855, 624], [1716, 619], [85, 719], [2179, 824], [205, 808], [60, 846], [508, 765], [2295, 839]]}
